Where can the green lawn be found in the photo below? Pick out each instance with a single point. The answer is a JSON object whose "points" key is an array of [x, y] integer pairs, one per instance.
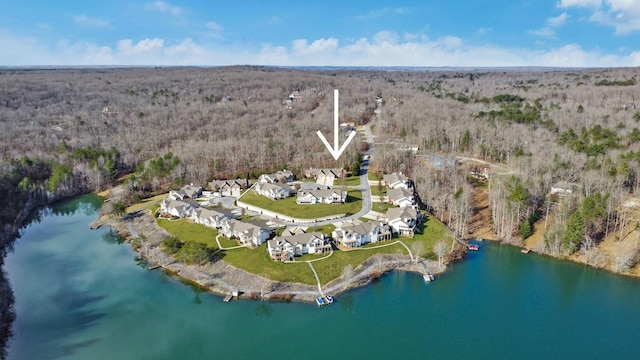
{"points": [[152, 203], [351, 181], [326, 229], [378, 191], [373, 173], [289, 207], [188, 231], [332, 267], [431, 231], [257, 261], [381, 207]]}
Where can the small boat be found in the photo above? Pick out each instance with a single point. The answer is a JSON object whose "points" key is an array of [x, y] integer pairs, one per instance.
{"points": [[525, 251], [329, 299], [473, 247], [427, 277], [320, 301]]}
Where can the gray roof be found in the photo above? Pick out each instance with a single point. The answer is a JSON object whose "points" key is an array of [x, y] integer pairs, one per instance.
{"points": [[303, 238], [399, 193], [394, 178], [402, 213]]}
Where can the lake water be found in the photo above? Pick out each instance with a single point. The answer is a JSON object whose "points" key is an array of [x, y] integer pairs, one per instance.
{"points": [[80, 295]]}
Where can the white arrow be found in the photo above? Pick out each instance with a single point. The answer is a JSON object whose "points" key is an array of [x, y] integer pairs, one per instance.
{"points": [[336, 150]]}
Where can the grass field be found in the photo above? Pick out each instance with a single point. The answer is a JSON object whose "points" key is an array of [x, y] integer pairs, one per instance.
{"points": [[380, 207], [152, 203], [188, 231], [289, 207], [350, 181], [378, 191], [257, 261]]}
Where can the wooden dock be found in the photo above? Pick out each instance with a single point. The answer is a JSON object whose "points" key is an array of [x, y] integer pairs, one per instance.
{"points": [[227, 298]]}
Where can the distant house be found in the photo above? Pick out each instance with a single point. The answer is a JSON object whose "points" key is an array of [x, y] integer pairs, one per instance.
{"points": [[178, 208], [187, 192], [347, 127], [563, 188], [229, 187], [286, 247], [282, 177], [356, 233], [397, 180], [213, 218], [322, 196], [401, 197], [324, 177], [403, 221], [109, 111], [274, 191], [246, 233]]}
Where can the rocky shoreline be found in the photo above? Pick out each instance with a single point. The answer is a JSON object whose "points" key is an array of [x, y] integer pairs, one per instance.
{"points": [[218, 277]]}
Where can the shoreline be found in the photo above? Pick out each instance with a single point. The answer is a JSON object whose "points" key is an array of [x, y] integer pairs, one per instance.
{"points": [[223, 279]]}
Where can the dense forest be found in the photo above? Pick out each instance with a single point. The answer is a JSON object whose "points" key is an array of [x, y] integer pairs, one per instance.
{"points": [[73, 130]]}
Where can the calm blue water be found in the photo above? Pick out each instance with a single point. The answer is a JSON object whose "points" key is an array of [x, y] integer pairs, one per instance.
{"points": [[80, 295]]}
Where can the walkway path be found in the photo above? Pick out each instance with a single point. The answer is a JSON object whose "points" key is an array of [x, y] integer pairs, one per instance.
{"points": [[317, 278], [409, 250], [229, 248]]}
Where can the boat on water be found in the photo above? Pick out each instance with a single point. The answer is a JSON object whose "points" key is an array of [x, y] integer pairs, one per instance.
{"points": [[324, 300], [428, 277], [473, 247]]}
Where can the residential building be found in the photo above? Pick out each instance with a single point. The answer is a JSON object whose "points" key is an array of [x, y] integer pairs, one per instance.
{"points": [[563, 188], [229, 187], [401, 197], [322, 196], [178, 208], [403, 221], [282, 177], [246, 233], [397, 180], [213, 218], [324, 177], [285, 247], [356, 233], [274, 191], [187, 192]]}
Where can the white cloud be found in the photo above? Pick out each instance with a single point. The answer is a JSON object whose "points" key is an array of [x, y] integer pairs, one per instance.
{"points": [[382, 49], [558, 20], [164, 7], [143, 47], [90, 21], [552, 23], [579, 3], [623, 15], [213, 30]]}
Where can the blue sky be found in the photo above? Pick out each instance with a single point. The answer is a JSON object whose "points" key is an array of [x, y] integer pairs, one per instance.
{"points": [[566, 33]]}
